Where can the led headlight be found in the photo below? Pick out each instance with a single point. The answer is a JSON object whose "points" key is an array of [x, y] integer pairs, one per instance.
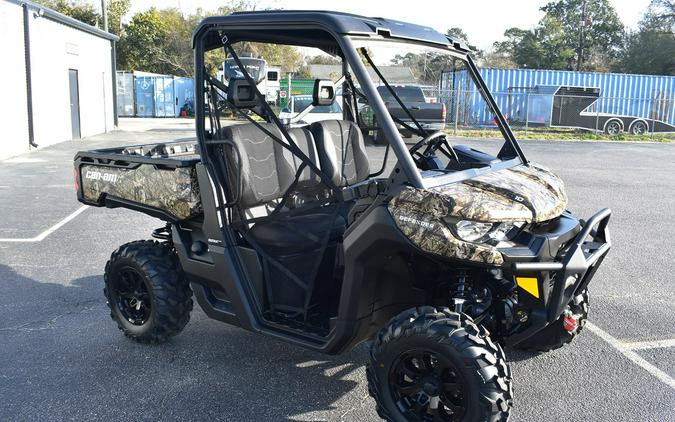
{"points": [[472, 231], [493, 233]]}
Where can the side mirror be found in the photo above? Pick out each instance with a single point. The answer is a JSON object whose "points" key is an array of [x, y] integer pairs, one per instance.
{"points": [[285, 110], [324, 92], [241, 93], [362, 100]]}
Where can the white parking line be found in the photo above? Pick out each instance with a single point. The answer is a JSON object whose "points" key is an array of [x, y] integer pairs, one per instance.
{"points": [[631, 355], [52, 229], [651, 344]]}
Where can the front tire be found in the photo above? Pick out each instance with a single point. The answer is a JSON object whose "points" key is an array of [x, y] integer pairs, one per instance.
{"points": [[437, 365], [147, 292], [613, 127], [563, 330]]}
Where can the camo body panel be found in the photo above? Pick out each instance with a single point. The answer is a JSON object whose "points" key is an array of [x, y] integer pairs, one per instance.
{"points": [[174, 191], [527, 194]]}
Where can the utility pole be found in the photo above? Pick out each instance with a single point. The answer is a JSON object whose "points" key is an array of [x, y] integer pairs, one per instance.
{"points": [[580, 52], [104, 13]]}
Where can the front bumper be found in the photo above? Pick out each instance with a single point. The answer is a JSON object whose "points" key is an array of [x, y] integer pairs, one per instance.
{"points": [[571, 271]]}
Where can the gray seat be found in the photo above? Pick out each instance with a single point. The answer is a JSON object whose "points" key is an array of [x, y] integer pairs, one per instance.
{"points": [[268, 171], [342, 152], [267, 168]]}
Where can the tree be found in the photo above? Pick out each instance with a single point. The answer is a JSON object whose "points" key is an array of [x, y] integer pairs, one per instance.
{"points": [[116, 10], [426, 68], [323, 59], [76, 9], [584, 34], [542, 48], [87, 13], [458, 33], [651, 49], [587, 25], [140, 45]]}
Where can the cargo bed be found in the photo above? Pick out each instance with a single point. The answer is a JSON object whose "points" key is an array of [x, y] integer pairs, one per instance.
{"points": [[157, 179]]}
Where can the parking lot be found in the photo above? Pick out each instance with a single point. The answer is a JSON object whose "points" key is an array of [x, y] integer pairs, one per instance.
{"points": [[62, 358]]}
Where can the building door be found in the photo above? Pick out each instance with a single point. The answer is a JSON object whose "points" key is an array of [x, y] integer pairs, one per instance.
{"points": [[74, 103]]}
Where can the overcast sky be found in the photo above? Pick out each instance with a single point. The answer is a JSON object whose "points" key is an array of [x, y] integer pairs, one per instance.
{"points": [[483, 20]]}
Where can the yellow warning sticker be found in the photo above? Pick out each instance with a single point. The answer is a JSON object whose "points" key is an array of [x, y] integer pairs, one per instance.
{"points": [[529, 284]]}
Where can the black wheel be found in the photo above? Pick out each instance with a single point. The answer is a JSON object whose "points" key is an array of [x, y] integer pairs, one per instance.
{"points": [[563, 330], [638, 127], [437, 365], [147, 293], [613, 127]]}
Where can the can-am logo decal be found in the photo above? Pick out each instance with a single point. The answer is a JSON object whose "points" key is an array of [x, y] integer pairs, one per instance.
{"points": [[97, 175], [423, 224]]}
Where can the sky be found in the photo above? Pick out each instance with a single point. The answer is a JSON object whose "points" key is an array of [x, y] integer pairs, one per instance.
{"points": [[484, 21]]}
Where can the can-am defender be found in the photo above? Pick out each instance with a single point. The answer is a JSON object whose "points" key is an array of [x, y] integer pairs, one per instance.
{"points": [[441, 255]]}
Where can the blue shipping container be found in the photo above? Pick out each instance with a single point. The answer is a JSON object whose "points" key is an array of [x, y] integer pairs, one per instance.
{"points": [[145, 96], [164, 97], [184, 90], [518, 93]]}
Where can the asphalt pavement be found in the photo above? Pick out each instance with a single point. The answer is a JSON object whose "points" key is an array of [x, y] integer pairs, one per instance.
{"points": [[62, 358]]}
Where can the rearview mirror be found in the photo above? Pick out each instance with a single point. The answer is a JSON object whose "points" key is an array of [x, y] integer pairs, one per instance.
{"points": [[241, 93], [324, 92]]}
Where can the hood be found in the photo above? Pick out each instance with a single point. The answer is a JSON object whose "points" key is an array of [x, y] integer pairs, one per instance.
{"points": [[522, 193]]}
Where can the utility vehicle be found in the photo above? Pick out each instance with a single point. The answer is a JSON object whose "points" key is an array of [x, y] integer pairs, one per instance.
{"points": [[440, 254]]}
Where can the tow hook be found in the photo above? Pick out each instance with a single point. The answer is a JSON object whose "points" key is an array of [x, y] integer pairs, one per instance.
{"points": [[570, 321]]}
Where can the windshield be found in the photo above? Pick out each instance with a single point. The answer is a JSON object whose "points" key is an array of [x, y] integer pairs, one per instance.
{"points": [[437, 93], [254, 67], [413, 94]]}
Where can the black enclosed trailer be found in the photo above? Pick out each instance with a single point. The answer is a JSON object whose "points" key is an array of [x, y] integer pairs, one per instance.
{"points": [[577, 107]]}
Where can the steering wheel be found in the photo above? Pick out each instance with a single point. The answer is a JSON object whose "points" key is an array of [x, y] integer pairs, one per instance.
{"points": [[431, 147]]}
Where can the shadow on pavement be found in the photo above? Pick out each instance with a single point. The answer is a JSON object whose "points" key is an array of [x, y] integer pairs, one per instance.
{"points": [[65, 359]]}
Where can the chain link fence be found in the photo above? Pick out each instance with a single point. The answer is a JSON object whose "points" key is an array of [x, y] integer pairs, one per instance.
{"points": [[579, 111]]}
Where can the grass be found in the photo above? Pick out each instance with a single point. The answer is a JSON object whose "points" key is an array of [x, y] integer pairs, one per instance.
{"points": [[563, 134]]}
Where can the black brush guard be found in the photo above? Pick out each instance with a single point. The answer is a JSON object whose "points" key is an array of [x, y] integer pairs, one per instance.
{"points": [[572, 271]]}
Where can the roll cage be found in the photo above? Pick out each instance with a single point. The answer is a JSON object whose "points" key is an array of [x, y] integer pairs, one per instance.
{"points": [[334, 32]]}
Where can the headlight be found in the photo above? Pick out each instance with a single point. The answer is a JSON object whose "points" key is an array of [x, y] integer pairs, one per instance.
{"points": [[493, 233], [472, 231]]}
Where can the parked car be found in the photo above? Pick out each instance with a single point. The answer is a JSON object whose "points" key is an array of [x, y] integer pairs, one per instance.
{"points": [[429, 114], [298, 103]]}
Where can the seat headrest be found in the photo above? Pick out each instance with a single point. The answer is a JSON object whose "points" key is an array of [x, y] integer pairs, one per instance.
{"points": [[342, 152]]}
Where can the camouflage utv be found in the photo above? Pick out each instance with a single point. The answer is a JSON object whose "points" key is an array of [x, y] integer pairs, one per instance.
{"points": [[440, 254]]}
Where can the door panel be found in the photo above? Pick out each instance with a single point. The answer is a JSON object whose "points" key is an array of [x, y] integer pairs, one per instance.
{"points": [[74, 103]]}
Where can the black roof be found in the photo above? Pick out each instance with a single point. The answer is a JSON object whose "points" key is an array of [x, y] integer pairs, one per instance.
{"points": [[242, 23]]}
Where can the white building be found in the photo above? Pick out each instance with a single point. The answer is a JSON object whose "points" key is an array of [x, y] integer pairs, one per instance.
{"points": [[57, 77]]}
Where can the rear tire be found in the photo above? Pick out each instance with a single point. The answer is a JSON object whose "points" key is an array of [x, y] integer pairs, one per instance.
{"points": [[638, 127], [555, 336], [147, 292], [436, 364], [613, 127]]}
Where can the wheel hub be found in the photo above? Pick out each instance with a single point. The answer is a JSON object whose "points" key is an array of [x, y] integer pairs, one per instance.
{"points": [[426, 386], [431, 387], [132, 297]]}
